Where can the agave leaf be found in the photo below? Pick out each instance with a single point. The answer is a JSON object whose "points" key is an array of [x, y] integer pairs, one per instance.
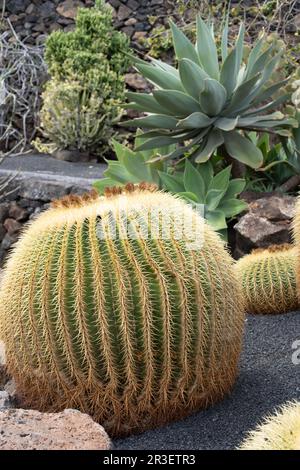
{"points": [[207, 172], [156, 142], [207, 50], [213, 97], [213, 198], [194, 121], [145, 102], [213, 141], [269, 69], [162, 141], [153, 121], [251, 120], [232, 207], [242, 149], [253, 56], [135, 165], [135, 59], [160, 77], [265, 76], [260, 63], [228, 77], [221, 180], [120, 150], [242, 96], [182, 45], [241, 75], [117, 172], [216, 219], [165, 132], [178, 104], [103, 183], [189, 196], [290, 122], [171, 183], [193, 182], [226, 124], [224, 41], [192, 77], [196, 138], [269, 106], [266, 93], [235, 187], [239, 48], [164, 66]]}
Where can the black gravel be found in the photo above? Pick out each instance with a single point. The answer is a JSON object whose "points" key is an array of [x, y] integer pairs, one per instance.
{"points": [[268, 378]]}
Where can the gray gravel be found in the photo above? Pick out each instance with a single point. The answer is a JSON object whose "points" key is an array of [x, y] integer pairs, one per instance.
{"points": [[267, 379]]}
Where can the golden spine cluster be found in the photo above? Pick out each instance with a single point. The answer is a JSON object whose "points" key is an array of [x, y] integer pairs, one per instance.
{"points": [[268, 279], [278, 432], [135, 331]]}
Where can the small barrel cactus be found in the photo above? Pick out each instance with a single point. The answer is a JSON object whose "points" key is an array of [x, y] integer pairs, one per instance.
{"points": [[268, 278], [135, 330], [278, 432]]}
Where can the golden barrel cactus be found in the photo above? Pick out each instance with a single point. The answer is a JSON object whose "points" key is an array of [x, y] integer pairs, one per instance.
{"points": [[134, 330], [278, 432], [268, 279]]}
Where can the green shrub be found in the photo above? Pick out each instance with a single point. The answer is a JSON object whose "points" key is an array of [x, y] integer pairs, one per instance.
{"points": [[89, 62], [74, 117]]}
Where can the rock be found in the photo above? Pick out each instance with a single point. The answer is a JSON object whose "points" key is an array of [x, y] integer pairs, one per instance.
{"points": [[259, 232], [115, 3], [36, 190], [134, 80], [69, 8], [123, 13], [4, 208], [8, 241], [17, 6], [68, 430], [267, 222], [30, 9], [18, 213], [12, 226], [71, 155], [129, 30], [2, 232], [3, 374], [133, 4], [4, 400], [274, 208], [130, 22], [11, 390]]}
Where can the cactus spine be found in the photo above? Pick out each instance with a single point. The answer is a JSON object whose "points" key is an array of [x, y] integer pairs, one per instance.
{"points": [[134, 331], [268, 278], [296, 237], [278, 432]]}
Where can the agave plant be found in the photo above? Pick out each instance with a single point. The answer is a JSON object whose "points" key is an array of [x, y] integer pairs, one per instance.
{"points": [[214, 194], [208, 101]]}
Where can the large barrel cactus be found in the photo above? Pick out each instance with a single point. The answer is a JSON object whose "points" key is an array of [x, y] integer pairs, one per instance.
{"points": [[268, 278], [280, 431], [134, 328]]}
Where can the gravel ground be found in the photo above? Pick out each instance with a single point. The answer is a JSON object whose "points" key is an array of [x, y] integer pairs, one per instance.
{"points": [[267, 379]]}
